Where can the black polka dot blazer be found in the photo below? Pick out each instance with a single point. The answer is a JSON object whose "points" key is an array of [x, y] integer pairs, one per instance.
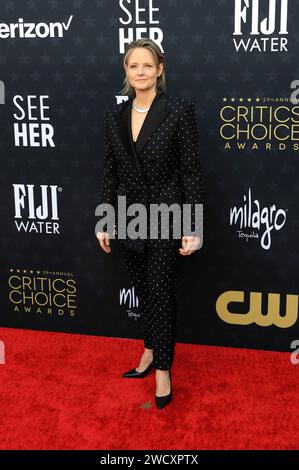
{"points": [[162, 166]]}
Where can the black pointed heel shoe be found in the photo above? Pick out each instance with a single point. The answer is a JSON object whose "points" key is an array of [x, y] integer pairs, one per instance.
{"points": [[163, 401], [133, 374]]}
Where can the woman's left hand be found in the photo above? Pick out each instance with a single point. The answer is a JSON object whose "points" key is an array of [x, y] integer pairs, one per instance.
{"points": [[189, 245]]}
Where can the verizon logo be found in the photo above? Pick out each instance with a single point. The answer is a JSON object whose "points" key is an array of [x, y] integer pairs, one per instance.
{"points": [[34, 30]]}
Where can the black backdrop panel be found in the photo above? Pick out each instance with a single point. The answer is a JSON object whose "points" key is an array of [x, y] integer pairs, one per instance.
{"points": [[60, 67]]}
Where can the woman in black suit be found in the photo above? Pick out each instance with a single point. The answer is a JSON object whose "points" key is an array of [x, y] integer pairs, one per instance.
{"points": [[152, 157]]}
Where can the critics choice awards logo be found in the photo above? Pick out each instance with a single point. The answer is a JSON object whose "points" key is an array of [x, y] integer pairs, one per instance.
{"points": [[42, 292], [259, 123]]}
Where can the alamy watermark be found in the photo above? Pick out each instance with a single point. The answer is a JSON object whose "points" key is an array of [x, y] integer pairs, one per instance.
{"points": [[294, 99], [188, 221], [294, 358]]}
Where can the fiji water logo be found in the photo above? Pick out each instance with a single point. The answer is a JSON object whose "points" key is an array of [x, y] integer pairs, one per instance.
{"points": [[36, 208], [255, 221], [267, 31]]}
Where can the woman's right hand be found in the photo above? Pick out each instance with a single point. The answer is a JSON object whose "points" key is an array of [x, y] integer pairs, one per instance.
{"points": [[104, 241]]}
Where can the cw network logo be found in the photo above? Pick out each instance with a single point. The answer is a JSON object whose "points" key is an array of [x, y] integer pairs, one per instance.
{"points": [[233, 308], [34, 30]]}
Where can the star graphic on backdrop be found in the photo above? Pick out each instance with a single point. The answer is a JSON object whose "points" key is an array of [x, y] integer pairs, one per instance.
{"points": [[147, 405]]}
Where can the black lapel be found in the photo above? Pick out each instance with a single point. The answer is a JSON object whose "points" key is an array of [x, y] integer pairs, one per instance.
{"points": [[153, 119]]}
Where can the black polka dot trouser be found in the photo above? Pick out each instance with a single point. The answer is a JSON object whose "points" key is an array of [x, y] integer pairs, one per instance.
{"points": [[154, 276]]}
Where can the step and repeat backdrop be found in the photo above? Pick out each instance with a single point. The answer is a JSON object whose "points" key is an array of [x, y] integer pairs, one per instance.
{"points": [[60, 67]]}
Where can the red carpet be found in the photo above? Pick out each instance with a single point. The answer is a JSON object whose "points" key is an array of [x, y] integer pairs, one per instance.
{"points": [[63, 391]]}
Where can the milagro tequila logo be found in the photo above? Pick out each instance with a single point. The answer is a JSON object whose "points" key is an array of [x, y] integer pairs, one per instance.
{"points": [[36, 208], [128, 298], [248, 19], [253, 218]]}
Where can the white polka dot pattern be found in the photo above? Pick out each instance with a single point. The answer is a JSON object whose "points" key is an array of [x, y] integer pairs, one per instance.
{"points": [[171, 173], [154, 276], [110, 178], [169, 158], [190, 166]]}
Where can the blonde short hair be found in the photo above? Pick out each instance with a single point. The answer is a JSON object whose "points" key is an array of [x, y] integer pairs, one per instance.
{"points": [[151, 46]]}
